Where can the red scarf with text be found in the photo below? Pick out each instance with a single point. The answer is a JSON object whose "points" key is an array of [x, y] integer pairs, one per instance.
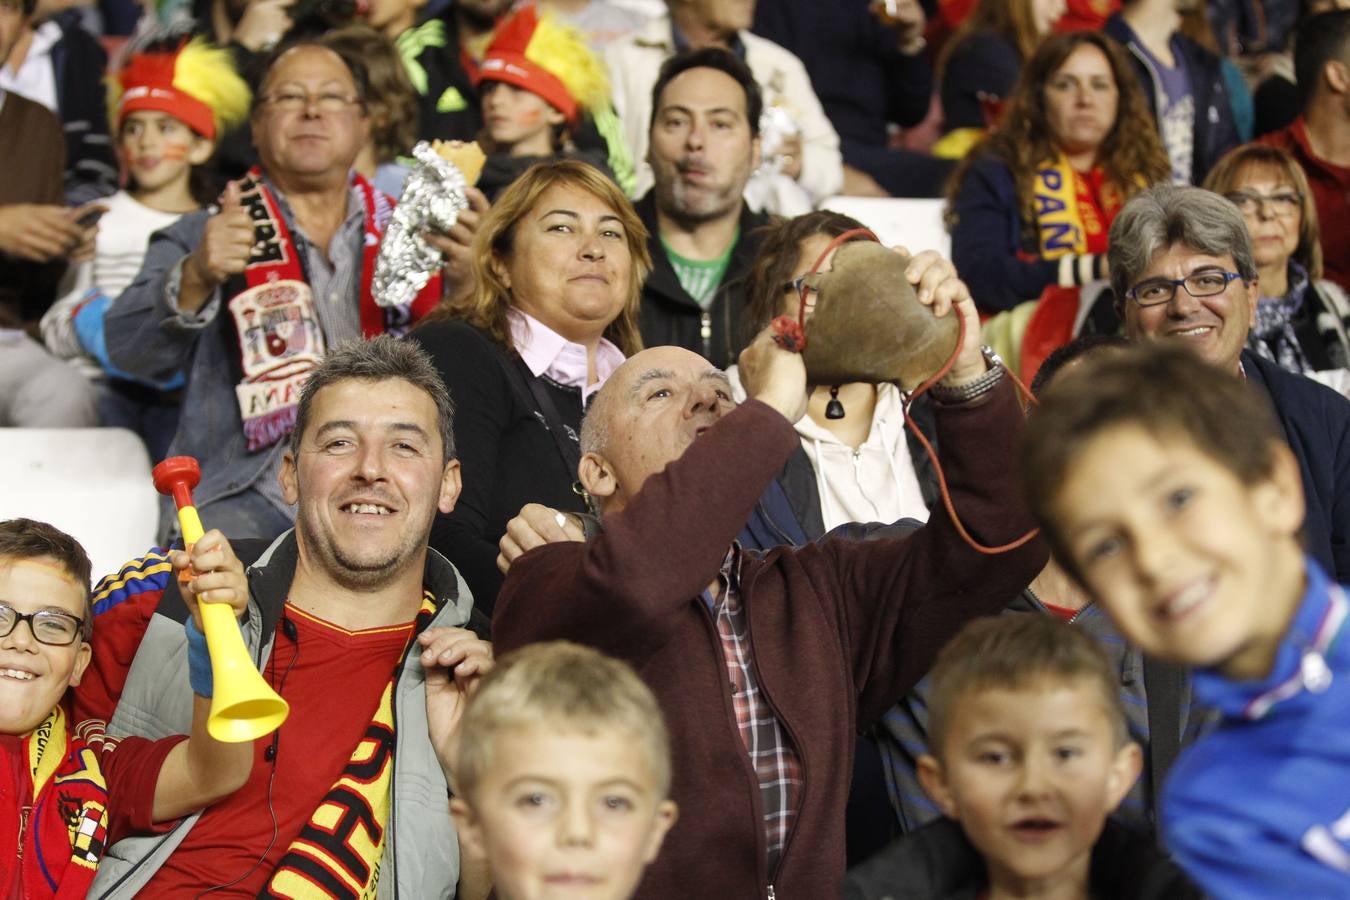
{"points": [[280, 339]]}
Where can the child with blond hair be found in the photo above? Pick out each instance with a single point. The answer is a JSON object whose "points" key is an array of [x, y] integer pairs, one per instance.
{"points": [[562, 775]]}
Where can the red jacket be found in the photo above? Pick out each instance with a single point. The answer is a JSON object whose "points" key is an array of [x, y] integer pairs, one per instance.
{"points": [[840, 630]]}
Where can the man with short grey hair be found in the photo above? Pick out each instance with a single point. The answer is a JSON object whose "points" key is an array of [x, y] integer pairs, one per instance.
{"points": [[1182, 269]]}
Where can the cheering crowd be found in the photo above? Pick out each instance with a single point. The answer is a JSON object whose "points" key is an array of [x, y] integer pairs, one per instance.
{"points": [[578, 576]]}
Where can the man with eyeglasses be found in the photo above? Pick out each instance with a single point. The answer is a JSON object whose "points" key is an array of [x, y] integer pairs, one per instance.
{"points": [[247, 296], [1182, 269]]}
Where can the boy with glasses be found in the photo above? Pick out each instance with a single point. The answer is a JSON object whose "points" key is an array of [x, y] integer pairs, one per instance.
{"points": [[63, 791]]}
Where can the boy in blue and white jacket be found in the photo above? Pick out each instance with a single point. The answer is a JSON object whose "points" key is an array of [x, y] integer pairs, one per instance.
{"points": [[1165, 487]]}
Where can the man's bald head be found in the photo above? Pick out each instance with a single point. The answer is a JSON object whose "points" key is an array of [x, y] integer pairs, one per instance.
{"points": [[648, 412]]}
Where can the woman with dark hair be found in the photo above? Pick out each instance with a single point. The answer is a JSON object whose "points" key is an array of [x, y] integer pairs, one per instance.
{"points": [[559, 263], [1302, 322], [1030, 207], [979, 65], [858, 467]]}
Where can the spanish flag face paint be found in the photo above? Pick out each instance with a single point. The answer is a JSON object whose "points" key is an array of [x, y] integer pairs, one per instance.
{"points": [[157, 149]]}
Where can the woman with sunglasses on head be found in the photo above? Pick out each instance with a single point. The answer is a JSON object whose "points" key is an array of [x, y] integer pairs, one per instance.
{"points": [[1302, 321]]}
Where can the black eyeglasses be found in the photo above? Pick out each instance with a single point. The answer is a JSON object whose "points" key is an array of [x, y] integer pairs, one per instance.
{"points": [[1205, 283], [1283, 203], [798, 284], [56, 629]]}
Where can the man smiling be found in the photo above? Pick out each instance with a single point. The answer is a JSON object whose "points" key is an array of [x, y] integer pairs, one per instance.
{"points": [[246, 297], [355, 623], [1182, 267]]}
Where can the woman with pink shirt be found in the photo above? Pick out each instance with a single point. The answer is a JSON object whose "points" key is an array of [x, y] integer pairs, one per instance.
{"points": [[560, 260]]}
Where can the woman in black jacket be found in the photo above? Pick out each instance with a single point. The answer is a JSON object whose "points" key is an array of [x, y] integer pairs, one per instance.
{"points": [[560, 260]]}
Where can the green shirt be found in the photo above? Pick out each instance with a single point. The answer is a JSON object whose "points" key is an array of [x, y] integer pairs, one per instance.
{"points": [[701, 277]]}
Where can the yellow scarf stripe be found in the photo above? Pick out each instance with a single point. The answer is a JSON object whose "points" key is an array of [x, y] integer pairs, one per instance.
{"points": [[337, 853]]}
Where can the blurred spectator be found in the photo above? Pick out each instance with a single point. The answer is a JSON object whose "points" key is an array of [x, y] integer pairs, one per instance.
{"points": [[704, 145], [390, 100], [1250, 27], [168, 104], [979, 66], [1320, 137], [57, 63], [1031, 206], [538, 78], [37, 234], [803, 165], [442, 55], [602, 21], [1302, 322], [1276, 97], [870, 69], [1184, 83]]}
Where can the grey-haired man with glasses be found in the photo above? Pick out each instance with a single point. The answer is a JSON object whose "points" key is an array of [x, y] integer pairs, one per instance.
{"points": [[1182, 269], [247, 296]]}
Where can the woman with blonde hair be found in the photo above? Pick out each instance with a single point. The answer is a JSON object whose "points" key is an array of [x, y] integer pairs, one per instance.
{"points": [[1302, 321], [559, 262], [1030, 207]]}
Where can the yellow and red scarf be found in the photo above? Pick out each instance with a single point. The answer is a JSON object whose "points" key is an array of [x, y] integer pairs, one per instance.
{"points": [[337, 853], [1074, 210], [62, 823]]}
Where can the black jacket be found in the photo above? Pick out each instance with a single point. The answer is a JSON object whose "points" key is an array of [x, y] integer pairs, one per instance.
{"points": [[1215, 124], [509, 455], [1316, 424], [937, 862], [668, 315]]}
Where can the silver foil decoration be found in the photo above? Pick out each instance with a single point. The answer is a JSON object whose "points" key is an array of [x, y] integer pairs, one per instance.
{"points": [[433, 196]]}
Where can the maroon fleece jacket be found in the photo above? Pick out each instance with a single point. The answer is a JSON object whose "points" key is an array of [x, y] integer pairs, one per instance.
{"points": [[840, 630]]}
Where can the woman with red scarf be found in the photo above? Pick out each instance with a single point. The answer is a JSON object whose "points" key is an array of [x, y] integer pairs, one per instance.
{"points": [[1030, 207]]}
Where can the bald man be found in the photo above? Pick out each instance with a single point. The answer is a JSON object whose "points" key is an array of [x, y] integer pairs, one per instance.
{"points": [[766, 666]]}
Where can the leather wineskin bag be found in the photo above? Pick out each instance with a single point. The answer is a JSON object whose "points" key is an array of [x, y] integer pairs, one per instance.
{"points": [[868, 324]]}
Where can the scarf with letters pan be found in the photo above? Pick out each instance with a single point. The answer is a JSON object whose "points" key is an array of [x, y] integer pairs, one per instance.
{"points": [[59, 824], [1074, 211], [337, 852], [280, 339]]}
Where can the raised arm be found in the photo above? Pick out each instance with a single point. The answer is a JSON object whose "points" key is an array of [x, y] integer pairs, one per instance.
{"points": [[623, 591], [202, 770]]}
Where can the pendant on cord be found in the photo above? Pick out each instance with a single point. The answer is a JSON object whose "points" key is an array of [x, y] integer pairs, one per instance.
{"points": [[834, 409]]}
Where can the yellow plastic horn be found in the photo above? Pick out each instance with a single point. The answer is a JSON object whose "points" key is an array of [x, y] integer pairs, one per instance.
{"points": [[244, 706]]}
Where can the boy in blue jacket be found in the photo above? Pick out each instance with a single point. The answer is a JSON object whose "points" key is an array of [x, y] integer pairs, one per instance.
{"points": [[1164, 486]]}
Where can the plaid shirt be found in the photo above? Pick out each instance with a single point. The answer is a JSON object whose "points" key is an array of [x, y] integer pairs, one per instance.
{"points": [[776, 763]]}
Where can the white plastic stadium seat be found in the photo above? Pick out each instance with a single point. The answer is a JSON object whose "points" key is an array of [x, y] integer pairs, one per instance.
{"points": [[913, 223], [93, 483]]}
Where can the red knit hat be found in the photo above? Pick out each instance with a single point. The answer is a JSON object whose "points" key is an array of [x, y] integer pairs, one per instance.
{"points": [[542, 56], [189, 80]]}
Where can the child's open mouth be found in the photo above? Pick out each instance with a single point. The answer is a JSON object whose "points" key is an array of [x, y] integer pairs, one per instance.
{"points": [[1035, 829]]}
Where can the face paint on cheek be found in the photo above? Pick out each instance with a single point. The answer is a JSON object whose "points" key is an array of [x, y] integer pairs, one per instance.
{"points": [[531, 117], [174, 152]]}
